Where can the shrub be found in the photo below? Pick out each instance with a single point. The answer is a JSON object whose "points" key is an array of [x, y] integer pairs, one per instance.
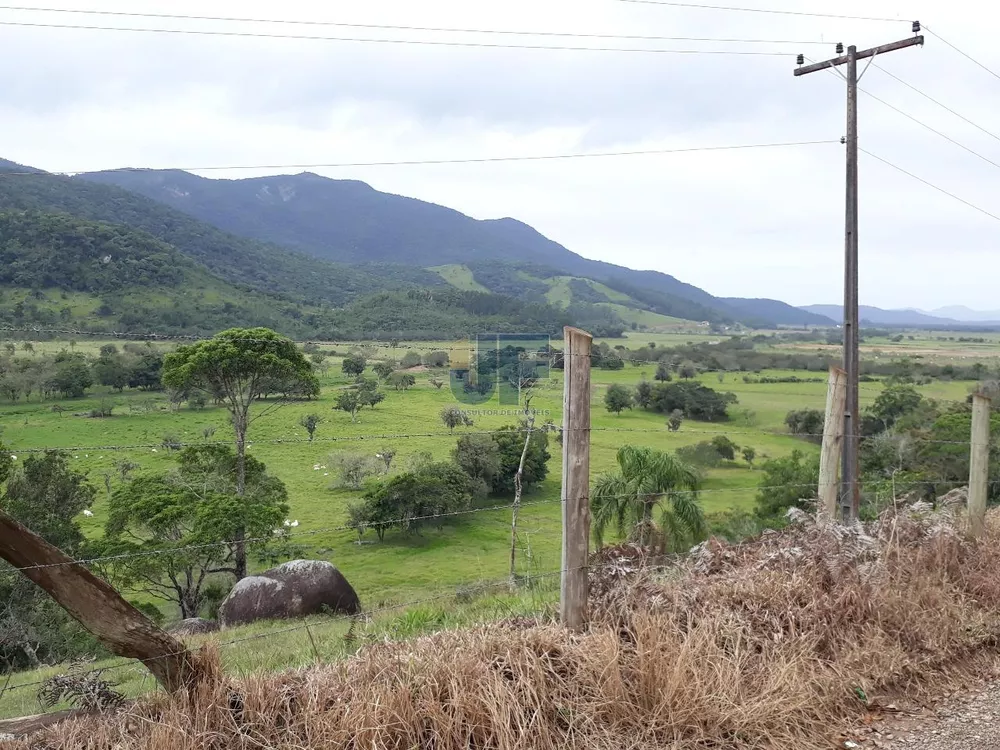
{"points": [[410, 359], [354, 468]]}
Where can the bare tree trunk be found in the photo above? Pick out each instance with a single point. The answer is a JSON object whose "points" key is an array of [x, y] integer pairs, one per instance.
{"points": [[240, 550], [97, 606], [517, 499]]}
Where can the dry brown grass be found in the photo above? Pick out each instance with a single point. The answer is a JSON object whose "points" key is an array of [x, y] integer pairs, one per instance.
{"points": [[761, 645]]}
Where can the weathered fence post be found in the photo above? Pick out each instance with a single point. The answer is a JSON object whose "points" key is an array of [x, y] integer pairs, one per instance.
{"points": [[575, 478], [97, 606], [833, 441], [979, 452]]}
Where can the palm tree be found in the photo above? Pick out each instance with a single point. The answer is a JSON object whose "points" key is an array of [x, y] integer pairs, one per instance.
{"points": [[647, 480]]}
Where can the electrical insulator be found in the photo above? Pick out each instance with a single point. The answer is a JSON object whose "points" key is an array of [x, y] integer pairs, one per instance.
{"points": [[840, 48], [801, 59], [916, 27], [843, 140]]}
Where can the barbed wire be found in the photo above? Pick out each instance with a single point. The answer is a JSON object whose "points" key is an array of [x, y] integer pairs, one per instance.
{"points": [[285, 535], [305, 626], [174, 446]]}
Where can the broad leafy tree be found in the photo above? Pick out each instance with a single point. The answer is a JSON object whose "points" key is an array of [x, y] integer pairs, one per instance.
{"points": [[47, 496], [187, 520], [618, 398], [233, 365]]}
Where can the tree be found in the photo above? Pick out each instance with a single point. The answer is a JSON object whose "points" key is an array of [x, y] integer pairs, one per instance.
{"points": [[310, 422], [145, 370], [178, 529], [510, 445], [233, 364], [807, 423], [894, 403], [643, 394], [72, 376], [786, 481], [353, 365], [112, 370], [354, 468], [385, 455], [674, 420], [47, 496], [612, 362], [479, 457], [410, 359], [453, 417], [749, 454], [702, 454], [725, 447], [350, 401], [648, 480], [414, 499], [383, 369], [437, 359], [695, 400], [402, 381], [618, 398], [368, 392], [688, 370]]}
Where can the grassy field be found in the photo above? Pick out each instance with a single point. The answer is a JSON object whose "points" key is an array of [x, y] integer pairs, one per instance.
{"points": [[459, 276], [435, 564]]}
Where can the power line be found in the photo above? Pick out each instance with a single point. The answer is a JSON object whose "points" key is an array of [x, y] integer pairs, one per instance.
{"points": [[763, 10], [393, 27], [964, 54], [434, 43], [928, 127], [930, 184], [415, 162], [935, 101]]}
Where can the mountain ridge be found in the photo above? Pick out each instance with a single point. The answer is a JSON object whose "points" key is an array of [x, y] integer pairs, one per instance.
{"points": [[347, 221]]}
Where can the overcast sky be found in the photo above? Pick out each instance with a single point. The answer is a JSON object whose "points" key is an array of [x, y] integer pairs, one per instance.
{"points": [[752, 223]]}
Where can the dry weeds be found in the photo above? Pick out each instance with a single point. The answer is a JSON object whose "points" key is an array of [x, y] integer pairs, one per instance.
{"points": [[775, 643]]}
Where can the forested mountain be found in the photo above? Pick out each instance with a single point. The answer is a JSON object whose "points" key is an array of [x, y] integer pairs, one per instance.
{"points": [[60, 270], [312, 246], [245, 262], [146, 267], [349, 221]]}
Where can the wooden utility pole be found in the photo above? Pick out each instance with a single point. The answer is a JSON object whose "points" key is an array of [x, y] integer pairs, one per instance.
{"points": [[979, 452], [833, 439], [98, 607], [575, 478], [850, 498]]}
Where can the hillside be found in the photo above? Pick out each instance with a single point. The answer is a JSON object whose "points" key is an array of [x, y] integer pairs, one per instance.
{"points": [[59, 270], [349, 221], [240, 261], [779, 312], [577, 295]]}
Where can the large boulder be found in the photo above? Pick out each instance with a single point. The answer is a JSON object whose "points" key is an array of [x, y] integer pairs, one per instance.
{"points": [[293, 589], [194, 626]]}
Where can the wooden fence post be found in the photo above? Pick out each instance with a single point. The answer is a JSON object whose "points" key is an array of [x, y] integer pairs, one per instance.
{"points": [[575, 478], [833, 441], [96, 605], [979, 452]]}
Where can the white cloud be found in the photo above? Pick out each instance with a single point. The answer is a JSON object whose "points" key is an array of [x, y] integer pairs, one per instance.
{"points": [[748, 223]]}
